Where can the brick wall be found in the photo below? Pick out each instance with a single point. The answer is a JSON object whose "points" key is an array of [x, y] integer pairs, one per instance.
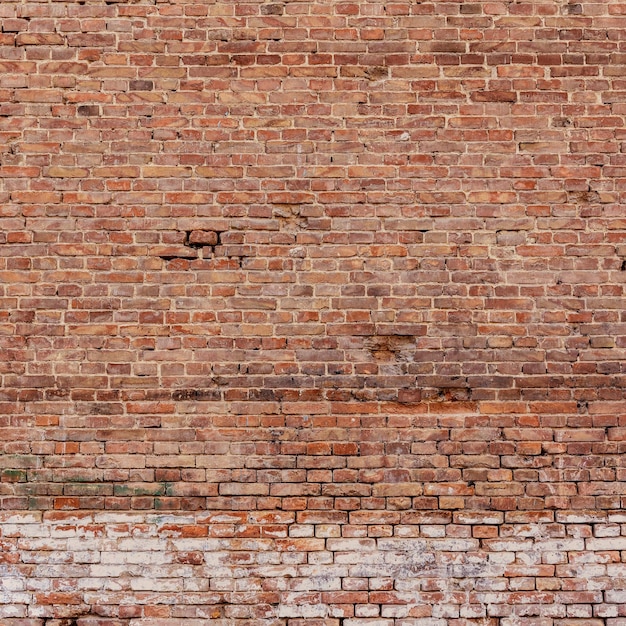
{"points": [[312, 313]]}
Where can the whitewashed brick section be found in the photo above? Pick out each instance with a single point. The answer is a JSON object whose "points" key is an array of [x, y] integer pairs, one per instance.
{"points": [[141, 569]]}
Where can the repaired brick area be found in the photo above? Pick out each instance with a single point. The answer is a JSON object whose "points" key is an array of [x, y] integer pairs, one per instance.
{"points": [[312, 313]]}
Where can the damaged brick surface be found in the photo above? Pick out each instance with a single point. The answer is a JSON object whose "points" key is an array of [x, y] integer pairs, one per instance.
{"points": [[312, 313]]}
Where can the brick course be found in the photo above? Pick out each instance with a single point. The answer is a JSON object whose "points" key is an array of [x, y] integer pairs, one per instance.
{"points": [[312, 313]]}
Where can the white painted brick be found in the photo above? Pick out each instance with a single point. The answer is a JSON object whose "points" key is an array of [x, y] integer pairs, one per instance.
{"points": [[609, 543], [351, 545]]}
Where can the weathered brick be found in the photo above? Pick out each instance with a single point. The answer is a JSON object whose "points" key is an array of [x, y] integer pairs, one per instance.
{"points": [[312, 312]]}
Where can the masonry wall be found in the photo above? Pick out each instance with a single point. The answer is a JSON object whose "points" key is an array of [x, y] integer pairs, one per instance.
{"points": [[312, 313]]}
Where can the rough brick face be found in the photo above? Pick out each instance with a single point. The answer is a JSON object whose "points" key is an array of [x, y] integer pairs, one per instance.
{"points": [[312, 313]]}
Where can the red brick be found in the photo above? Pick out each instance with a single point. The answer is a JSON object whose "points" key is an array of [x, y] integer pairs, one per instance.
{"points": [[307, 278]]}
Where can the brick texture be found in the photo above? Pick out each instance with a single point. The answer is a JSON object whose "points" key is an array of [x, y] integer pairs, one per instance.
{"points": [[312, 313]]}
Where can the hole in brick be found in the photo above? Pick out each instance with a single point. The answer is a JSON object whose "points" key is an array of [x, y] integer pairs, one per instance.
{"points": [[175, 256]]}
